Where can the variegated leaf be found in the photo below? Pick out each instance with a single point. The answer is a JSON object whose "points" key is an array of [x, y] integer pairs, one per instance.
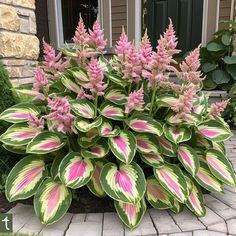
{"points": [[94, 183], [79, 74], [207, 180], [116, 95], [172, 179], [154, 160], [166, 147], [15, 149], [177, 207], [111, 111], [55, 165], [51, 201], [177, 134], [147, 144], [188, 157], [220, 146], [157, 196], [19, 134], [45, 142], [29, 93], [83, 108], [195, 201], [25, 178], [116, 79], [98, 150], [145, 124], [75, 171], [200, 103], [84, 125], [190, 119], [220, 167], [106, 129], [88, 139], [70, 84], [131, 214], [214, 131], [167, 101], [19, 113], [202, 142], [126, 183], [123, 146]]}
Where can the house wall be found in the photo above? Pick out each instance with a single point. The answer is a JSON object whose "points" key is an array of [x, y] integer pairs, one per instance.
{"points": [[19, 47], [224, 12]]}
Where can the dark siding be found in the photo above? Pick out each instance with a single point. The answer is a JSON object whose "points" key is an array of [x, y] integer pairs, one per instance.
{"points": [[42, 22]]}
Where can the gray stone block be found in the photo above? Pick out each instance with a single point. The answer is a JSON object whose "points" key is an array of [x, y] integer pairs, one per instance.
{"points": [[207, 233], [112, 226], [231, 224]]}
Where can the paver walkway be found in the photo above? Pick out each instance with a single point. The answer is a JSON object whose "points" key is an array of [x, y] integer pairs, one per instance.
{"points": [[220, 219]]}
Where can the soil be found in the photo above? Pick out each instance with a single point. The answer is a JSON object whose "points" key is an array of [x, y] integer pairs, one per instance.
{"points": [[85, 202]]}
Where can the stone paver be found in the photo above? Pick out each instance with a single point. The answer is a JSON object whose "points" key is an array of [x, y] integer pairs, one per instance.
{"points": [[220, 219]]}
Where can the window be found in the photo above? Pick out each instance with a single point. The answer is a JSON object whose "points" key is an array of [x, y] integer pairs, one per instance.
{"points": [[64, 16]]}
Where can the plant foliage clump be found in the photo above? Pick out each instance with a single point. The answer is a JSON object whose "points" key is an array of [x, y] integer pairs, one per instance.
{"points": [[121, 127]]}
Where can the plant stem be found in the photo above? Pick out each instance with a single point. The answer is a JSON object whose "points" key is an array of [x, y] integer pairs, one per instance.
{"points": [[96, 105], [153, 98]]}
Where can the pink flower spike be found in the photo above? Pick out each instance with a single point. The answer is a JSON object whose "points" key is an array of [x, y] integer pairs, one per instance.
{"points": [[217, 108], [34, 122], [122, 46], [145, 49], [135, 101], [81, 36], [41, 81], [96, 37], [95, 73]]}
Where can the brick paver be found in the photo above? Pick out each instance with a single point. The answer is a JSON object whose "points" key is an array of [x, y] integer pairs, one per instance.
{"points": [[220, 219]]}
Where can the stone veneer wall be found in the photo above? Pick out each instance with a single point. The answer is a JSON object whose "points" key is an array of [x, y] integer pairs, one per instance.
{"points": [[19, 47]]}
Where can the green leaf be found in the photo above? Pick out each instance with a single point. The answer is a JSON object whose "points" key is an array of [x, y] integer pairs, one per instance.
{"points": [[25, 178], [229, 60], [116, 79], [226, 39], [207, 67], [215, 47], [126, 183], [51, 201], [231, 69], [220, 77]]}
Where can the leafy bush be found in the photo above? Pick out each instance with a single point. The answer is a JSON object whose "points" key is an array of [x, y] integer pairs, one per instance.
{"points": [[121, 127], [7, 161], [217, 62]]}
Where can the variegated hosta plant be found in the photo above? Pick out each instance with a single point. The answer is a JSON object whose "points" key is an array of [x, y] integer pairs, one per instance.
{"points": [[136, 128]]}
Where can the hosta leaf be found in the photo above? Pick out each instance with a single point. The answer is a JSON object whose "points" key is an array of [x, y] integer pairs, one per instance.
{"points": [[88, 139], [84, 125], [83, 108], [19, 113], [154, 160], [146, 143], [106, 129], [55, 165], [126, 184], [25, 178], [207, 180], [157, 196], [75, 171], [131, 214], [80, 75], [177, 207], [177, 134], [167, 101], [98, 150], [15, 149], [190, 119], [195, 201], [116, 95], [29, 92], [45, 142], [188, 157], [123, 146], [145, 124], [220, 167], [94, 183], [200, 103], [70, 84], [214, 131], [51, 201], [172, 179], [166, 147], [218, 146], [116, 79], [202, 142], [19, 135], [111, 111]]}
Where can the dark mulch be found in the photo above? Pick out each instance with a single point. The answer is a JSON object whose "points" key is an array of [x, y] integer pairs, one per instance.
{"points": [[85, 202]]}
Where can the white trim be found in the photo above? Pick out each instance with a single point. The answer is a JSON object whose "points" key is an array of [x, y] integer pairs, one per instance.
{"points": [[138, 22], [232, 9], [204, 22], [217, 14], [110, 21]]}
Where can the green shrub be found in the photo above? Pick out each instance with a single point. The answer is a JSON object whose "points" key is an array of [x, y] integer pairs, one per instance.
{"points": [[7, 99]]}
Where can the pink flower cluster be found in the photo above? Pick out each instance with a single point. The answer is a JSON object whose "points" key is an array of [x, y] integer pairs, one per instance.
{"points": [[217, 108], [41, 81], [145, 50], [35, 122], [81, 36], [189, 68], [61, 117], [53, 63], [135, 101]]}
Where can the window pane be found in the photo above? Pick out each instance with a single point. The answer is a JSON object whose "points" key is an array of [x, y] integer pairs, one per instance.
{"points": [[71, 10]]}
